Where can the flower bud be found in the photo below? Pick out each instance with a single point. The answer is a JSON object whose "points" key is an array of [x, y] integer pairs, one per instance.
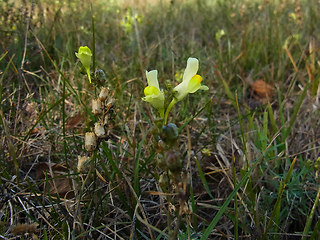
{"points": [[97, 106], [99, 130], [84, 54], [103, 94], [90, 141], [170, 133]]}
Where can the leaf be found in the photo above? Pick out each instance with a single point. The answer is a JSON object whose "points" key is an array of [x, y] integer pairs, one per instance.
{"points": [[22, 228], [261, 91], [74, 121], [55, 178]]}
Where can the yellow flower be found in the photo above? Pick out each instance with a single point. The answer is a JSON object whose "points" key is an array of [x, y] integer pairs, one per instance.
{"points": [[152, 92], [84, 54], [191, 82]]}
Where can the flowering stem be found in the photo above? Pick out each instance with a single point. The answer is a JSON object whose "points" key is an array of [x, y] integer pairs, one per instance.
{"points": [[161, 111], [88, 73], [173, 102]]}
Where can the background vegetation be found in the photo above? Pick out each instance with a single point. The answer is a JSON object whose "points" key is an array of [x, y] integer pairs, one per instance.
{"points": [[249, 145]]}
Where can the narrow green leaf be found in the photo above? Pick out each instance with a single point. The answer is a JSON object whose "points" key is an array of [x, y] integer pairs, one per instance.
{"points": [[277, 206], [316, 231], [3, 55], [203, 178], [272, 118], [296, 109], [227, 202], [310, 217], [228, 92]]}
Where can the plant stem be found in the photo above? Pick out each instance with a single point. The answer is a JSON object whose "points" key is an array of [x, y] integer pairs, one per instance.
{"points": [[173, 102]]}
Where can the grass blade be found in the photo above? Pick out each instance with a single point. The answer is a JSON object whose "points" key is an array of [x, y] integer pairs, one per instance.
{"points": [[227, 202], [276, 209], [203, 179], [310, 217]]}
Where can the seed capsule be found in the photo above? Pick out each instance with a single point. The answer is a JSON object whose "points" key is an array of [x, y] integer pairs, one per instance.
{"points": [[97, 107], [103, 94], [81, 161], [99, 130], [90, 141]]}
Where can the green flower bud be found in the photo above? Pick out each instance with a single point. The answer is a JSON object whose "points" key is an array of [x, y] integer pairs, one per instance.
{"points": [[170, 133], [84, 54]]}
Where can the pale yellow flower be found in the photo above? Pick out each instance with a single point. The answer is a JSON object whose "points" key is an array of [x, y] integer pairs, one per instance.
{"points": [[191, 82], [152, 92]]}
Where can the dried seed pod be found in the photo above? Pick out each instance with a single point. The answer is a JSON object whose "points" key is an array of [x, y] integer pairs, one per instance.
{"points": [[106, 120], [97, 107], [110, 103], [173, 160], [90, 141], [103, 94], [99, 130], [81, 161], [164, 181]]}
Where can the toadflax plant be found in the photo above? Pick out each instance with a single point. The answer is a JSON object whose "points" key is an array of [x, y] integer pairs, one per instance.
{"points": [[191, 82], [170, 161]]}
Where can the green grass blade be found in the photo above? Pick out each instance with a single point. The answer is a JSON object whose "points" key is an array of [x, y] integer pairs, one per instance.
{"points": [[43, 114], [277, 206], [203, 178], [197, 113], [316, 231], [310, 217], [224, 207], [272, 118], [296, 110], [3, 55], [227, 90], [136, 185], [243, 135]]}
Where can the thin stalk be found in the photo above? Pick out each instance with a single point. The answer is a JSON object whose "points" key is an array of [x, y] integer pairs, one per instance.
{"points": [[310, 217], [243, 136], [236, 221], [173, 102]]}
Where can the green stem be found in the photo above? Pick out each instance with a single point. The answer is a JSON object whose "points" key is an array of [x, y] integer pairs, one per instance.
{"points": [[173, 102], [161, 111], [88, 73]]}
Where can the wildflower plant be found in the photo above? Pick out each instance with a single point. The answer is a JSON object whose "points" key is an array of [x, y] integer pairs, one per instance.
{"points": [[172, 177], [101, 105], [191, 82]]}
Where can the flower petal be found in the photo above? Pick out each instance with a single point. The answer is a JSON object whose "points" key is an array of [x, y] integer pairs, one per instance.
{"points": [[152, 78], [156, 100], [84, 54], [194, 84], [151, 90], [191, 69], [204, 87]]}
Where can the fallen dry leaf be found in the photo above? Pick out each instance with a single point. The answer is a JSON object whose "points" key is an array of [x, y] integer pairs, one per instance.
{"points": [[58, 181], [74, 121], [22, 228], [261, 91]]}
